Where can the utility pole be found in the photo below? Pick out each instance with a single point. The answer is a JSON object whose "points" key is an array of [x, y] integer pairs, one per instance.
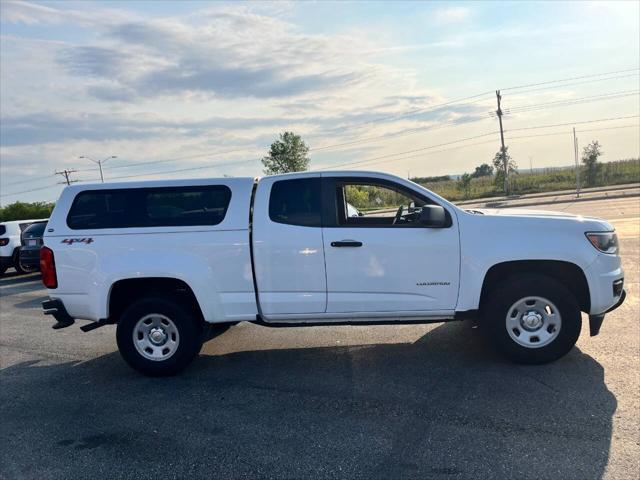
{"points": [[575, 152], [99, 162], [504, 153], [530, 164], [65, 173]]}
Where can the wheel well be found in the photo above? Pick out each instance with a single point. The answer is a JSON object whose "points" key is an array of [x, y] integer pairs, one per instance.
{"points": [[569, 274], [125, 292]]}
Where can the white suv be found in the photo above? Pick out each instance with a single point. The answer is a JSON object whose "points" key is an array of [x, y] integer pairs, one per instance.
{"points": [[10, 244]]}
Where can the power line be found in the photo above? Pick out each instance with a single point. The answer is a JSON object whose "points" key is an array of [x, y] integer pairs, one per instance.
{"points": [[414, 150], [204, 167], [397, 134], [29, 191], [573, 123], [175, 159], [550, 134], [374, 160], [30, 180], [595, 80], [415, 111], [483, 94], [569, 102], [572, 78]]}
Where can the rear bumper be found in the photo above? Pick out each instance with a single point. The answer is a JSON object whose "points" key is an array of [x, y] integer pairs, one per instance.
{"points": [[57, 309], [30, 258], [595, 321]]}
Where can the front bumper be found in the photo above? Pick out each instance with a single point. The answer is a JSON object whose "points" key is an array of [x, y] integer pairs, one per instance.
{"points": [[595, 321]]}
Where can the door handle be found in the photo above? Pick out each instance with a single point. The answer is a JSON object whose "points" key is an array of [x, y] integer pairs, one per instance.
{"points": [[346, 243]]}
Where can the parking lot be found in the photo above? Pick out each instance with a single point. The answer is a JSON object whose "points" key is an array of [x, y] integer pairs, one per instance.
{"points": [[412, 401]]}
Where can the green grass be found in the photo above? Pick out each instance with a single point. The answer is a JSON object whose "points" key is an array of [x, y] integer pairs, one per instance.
{"points": [[548, 180]]}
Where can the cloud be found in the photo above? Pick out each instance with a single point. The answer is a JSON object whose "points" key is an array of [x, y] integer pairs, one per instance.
{"points": [[226, 52], [29, 13], [450, 15], [93, 61]]}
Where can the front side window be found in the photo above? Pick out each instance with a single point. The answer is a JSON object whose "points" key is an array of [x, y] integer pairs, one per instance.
{"points": [[149, 207], [296, 202], [370, 204]]}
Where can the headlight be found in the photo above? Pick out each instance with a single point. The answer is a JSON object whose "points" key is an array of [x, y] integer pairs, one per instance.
{"points": [[606, 242]]}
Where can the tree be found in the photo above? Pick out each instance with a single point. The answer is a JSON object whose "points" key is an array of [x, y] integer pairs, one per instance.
{"points": [[484, 170], [464, 184], [590, 155], [501, 159], [25, 211], [287, 154]]}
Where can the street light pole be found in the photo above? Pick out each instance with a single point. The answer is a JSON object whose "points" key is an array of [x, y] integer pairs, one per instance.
{"points": [[99, 162]]}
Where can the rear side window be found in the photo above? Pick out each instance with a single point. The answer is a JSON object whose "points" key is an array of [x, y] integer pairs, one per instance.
{"points": [[296, 202], [149, 207], [3, 229], [35, 229]]}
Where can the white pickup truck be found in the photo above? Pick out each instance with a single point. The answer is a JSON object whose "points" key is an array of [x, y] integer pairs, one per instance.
{"points": [[169, 261]]}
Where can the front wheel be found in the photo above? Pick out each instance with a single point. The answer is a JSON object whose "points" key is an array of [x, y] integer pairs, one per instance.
{"points": [[158, 337], [532, 318]]}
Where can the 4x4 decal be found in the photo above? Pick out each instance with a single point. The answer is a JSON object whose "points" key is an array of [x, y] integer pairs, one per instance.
{"points": [[71, 241]]}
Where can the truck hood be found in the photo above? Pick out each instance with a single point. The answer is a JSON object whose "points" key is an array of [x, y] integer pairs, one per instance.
{"points": [[592, 223]]}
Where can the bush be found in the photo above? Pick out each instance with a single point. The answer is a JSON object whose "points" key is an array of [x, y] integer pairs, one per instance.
{"points": [[25, 211]]}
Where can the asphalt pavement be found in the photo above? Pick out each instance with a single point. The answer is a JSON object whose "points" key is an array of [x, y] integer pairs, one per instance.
{"points": [[410, 401]]}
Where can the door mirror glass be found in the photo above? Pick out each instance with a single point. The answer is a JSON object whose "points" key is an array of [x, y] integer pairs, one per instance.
{"points": [[433, 216]]}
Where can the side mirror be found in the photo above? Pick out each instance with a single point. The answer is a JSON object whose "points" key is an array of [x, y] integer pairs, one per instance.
{"points": [[433, 216]]}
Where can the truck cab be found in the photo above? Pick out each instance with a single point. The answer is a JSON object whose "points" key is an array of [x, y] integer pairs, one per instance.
{"points": [[169, 260]]}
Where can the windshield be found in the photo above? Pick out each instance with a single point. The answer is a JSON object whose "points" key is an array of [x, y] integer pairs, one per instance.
{"points": [[35, 229]]}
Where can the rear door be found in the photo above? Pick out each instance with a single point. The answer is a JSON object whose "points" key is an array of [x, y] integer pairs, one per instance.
{"points": [[288, 251], [379, 257]]}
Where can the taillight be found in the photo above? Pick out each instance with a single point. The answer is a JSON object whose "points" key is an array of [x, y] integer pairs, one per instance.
{"points": [[48, 268], [4, 242]]}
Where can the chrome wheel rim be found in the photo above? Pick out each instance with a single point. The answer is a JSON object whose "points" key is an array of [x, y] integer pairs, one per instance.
{"points": [[156, 337], [533, 322]]}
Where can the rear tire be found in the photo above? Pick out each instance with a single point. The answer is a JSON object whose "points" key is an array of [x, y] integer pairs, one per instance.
{"points": [[158, 337], [532, 318], [16, 263]]}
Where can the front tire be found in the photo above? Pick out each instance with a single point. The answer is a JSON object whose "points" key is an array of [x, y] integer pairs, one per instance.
{"points": [[532, 318], [158, 337]]}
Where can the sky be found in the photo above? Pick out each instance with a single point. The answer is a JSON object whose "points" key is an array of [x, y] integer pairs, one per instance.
{"points": [[201, 89]]}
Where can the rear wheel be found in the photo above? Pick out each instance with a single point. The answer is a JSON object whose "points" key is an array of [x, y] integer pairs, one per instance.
{"points": [[16, 263], [532, 318], [158, 337]]}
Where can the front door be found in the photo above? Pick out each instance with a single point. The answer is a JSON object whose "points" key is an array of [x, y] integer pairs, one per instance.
{"points": [[378, 256]]}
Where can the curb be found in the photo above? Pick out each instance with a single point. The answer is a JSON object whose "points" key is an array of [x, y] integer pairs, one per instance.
{"points": [[505, 204], [558, 193]]}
